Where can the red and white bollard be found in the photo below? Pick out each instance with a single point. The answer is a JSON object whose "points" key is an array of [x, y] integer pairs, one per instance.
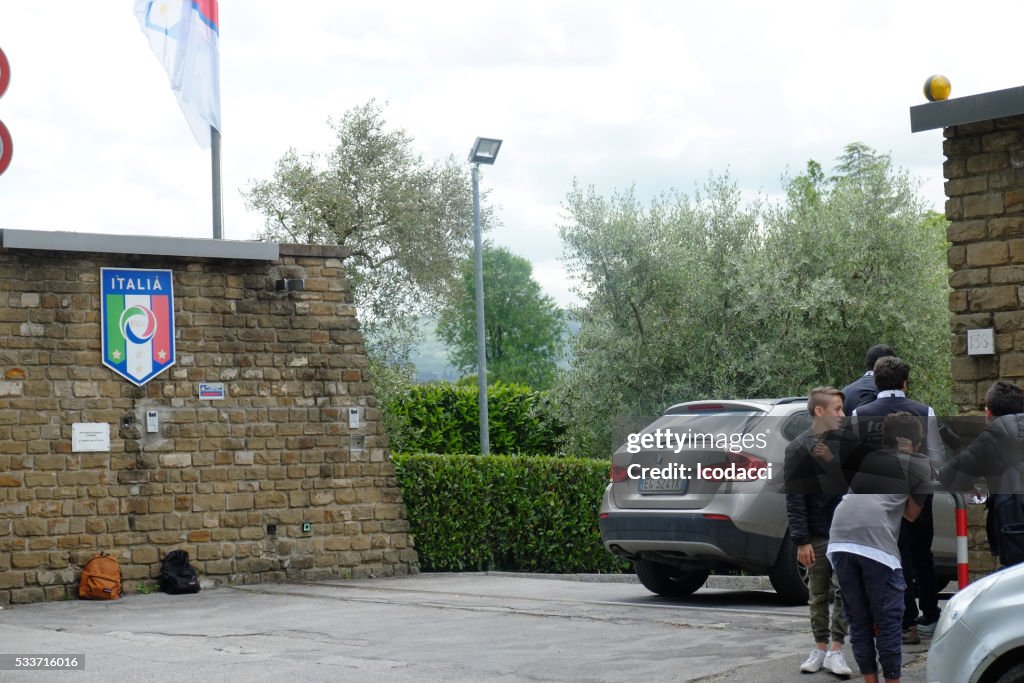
{"points": [[962, 576]]}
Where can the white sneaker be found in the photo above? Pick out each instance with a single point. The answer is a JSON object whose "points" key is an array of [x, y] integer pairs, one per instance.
{"points": [[835, 663], [814, 661]]}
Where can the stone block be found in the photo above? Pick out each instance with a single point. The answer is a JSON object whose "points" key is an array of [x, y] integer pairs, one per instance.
{"points": [[954, 209], [176, 460], [1006, 275], [145, 555], [240, 501], [23, 596], [28, 560], [987, 163], [30, 527], [270, 499], [964, 186], [999, 140], [972, 277], [11, 579], [1005, 228], [321, 497], [208, 551], [161, 504], [957, 232], [987, 254], [1013, 200], [147, 523], [219, 567], [995, 298], [1011, 365], [951, 169], [213, 501], [981, 205], [971, 368]]}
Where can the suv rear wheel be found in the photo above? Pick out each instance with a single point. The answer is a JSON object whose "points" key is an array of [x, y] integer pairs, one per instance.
{"points": [[1013, 674], [788, 577], [669, 581]]}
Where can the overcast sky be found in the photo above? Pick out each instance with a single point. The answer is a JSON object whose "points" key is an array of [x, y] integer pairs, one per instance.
{"points": [[613, 93]]}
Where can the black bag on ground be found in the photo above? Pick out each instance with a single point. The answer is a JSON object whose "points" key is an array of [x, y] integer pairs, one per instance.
{"points": [[177, 575]]}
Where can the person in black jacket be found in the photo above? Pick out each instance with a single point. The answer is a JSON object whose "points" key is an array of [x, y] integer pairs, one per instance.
{"points": [[814, 486], [892, 378], [863, 389], [996, 454]]}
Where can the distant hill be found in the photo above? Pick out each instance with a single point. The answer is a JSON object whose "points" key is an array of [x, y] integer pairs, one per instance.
{"points": [[430, 355]]}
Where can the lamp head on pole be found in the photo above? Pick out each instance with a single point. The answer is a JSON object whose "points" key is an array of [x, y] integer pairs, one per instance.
{"points": [[485, 151]]}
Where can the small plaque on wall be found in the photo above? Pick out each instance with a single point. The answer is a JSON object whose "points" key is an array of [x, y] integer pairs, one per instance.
{"points": [[90, 437], [211, 391], [981, 342]]}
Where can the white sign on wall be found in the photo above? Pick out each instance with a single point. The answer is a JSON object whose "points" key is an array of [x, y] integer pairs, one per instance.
{"points": [[211, 391], [90, 437], [981, 342]]}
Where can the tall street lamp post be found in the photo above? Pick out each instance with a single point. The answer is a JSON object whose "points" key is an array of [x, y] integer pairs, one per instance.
{"points": [[485, 151]]}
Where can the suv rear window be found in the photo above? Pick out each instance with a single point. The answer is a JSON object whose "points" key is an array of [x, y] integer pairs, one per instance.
{"points": [[718, 421]]}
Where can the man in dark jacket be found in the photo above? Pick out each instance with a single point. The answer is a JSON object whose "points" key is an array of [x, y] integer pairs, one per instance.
{"points": [[863, 389], [998, 455], [892, 377], [814, 486]]}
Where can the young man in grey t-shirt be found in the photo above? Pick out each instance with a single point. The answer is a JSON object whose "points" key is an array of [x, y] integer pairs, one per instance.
{"points": [[890, 484]]}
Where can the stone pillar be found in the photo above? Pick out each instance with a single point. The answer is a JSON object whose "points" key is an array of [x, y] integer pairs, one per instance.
{"points": [[985, 188], [984, 171]]}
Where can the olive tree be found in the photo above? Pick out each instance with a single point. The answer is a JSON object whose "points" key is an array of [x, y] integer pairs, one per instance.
{"points": [[406, 222], [713, 296]]}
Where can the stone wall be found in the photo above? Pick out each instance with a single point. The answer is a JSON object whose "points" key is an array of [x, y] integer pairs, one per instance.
{"points": [[277, 450], [984, 172]]}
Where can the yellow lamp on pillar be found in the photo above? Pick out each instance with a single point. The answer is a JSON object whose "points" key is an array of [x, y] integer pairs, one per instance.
{"points": [[937, 88]]}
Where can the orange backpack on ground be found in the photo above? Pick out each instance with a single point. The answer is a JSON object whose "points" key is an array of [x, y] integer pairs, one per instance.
{"points": [[101, 579]]}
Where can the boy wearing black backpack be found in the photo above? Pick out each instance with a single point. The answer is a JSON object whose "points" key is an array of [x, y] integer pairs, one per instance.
{"points": [[998, 455]]}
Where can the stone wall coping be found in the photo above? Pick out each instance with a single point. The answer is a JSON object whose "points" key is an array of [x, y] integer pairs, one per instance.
{"points": [[958, 111], [314, 250], [49, 240]]}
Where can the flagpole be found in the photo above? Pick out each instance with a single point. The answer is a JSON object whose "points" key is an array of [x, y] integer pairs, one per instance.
{"points": [[218, 198]]}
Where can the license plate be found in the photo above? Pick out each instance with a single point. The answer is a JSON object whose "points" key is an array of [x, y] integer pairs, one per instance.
{"points": [[676, 486]]}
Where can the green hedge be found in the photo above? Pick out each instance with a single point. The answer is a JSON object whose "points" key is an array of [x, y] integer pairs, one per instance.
{"points": [[536, 514], [445, 418]]}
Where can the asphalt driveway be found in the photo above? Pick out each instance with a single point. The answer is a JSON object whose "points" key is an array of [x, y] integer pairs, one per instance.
{"points": [[432, 627]]}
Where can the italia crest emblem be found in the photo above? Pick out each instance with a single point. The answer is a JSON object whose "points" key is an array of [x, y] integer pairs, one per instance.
{"points": [[137, 322]]}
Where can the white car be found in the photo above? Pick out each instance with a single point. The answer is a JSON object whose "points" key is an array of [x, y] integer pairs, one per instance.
{"points": [[980, 635]]}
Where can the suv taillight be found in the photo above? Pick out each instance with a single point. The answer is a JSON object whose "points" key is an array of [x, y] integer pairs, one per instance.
{"points": [[617, 474], [742, 461]]}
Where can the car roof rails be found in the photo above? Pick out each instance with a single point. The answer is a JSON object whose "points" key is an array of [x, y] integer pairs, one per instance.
{"points": [[791, 399], [720, 406]]}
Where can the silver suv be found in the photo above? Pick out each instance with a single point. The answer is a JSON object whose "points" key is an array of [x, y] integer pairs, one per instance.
{"points": [[730, 516]]}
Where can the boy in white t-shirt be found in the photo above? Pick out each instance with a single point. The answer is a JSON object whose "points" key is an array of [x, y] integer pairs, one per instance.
{"points": [[890, 484]]}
